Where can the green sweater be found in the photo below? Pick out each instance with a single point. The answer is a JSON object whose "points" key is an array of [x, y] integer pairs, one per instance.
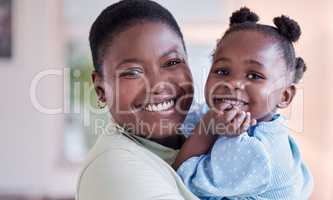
{"points": [[121, 166]]}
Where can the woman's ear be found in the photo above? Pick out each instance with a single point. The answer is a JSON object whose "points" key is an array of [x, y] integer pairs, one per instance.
{"points": [[287, 96], [98, 81]]}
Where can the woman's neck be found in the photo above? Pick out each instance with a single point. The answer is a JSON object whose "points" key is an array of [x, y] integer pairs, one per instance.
{"points": [[173, 141]]}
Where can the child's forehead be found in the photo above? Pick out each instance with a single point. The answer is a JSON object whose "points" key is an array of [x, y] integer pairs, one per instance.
{"points": [[245, 46], [248, 42], [243, 37]]}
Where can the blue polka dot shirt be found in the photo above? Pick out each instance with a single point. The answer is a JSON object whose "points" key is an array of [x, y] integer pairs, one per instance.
{"points": [[263, 163]]}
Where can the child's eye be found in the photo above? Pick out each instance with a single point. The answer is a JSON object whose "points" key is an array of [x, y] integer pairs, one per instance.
{"points": [[131, 73], [173, 62], [254, 76], [222, 72]]}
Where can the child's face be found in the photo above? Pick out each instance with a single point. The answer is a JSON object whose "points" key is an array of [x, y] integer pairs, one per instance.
{"points": [[248, 72], [146, 81]]}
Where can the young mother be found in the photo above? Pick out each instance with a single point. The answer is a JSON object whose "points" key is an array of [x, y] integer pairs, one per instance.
{"points": [[142, 74]]}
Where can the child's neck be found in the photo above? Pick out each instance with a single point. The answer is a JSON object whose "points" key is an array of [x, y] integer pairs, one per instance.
{"points": [[266, 118]]}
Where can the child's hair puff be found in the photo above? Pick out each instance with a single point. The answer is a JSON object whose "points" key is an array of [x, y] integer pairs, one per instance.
{"points": [[288, 28], [286, 32], [243, 15]]}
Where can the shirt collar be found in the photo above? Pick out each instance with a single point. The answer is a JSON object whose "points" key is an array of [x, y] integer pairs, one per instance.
{"points": [[270, 126]]}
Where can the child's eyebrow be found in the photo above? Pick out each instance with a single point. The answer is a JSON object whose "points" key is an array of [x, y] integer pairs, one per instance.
{"points": [[255, 62], [222, 59]]}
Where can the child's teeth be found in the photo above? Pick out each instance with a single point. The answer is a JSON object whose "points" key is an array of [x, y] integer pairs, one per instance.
{"points": [[233, 102]]}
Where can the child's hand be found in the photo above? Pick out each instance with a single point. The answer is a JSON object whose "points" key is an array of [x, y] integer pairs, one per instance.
{"points": [[235, 122], [228, 121]]}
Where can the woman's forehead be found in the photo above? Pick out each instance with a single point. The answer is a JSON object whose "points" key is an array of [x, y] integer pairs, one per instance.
{"points": [[147, 39]]}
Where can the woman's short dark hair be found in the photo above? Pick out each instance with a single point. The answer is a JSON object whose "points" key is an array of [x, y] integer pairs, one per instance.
{"points": [[119, 16]]}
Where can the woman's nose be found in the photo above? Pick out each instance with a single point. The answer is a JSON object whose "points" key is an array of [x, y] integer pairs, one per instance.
{"points": [[159, 84], [159, 88]]}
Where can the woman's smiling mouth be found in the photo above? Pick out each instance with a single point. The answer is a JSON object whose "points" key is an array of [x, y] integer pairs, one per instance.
{"points": [[158, 104], [160, 107]]}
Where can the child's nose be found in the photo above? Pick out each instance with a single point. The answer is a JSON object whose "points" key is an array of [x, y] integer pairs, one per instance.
{"points": [[235, 84]]}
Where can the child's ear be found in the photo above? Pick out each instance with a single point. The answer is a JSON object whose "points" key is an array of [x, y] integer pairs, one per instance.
{"points": [[99, 85], [287, 96]]}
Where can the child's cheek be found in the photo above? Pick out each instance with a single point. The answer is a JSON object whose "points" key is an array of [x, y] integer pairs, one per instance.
{"points": [[278, 84], [273, 98], [207, 91]]}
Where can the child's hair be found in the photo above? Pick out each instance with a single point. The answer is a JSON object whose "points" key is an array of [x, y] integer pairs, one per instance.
{"points": [[286, 32], [119, 16]]}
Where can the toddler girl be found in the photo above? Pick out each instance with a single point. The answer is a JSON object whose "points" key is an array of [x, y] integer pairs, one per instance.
{"points": [[254, 73]]}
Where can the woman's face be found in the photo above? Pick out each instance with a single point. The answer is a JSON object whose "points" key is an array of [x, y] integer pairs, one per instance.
{"points": [[146, 81]]}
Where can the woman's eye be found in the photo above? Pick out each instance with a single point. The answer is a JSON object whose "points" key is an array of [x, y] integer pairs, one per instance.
{"points": [[222, 72], [131, 73], [172, 62], [253, 76]]}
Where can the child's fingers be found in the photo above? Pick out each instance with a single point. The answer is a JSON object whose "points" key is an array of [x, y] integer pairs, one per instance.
{"points": [[238, 120], [247, 123], [228, 116], [221, 108], [233, 128], [225, 106]]}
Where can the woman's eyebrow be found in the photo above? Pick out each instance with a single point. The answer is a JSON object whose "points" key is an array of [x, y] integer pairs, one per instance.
{"points": [[129, 60], [171, 51]]}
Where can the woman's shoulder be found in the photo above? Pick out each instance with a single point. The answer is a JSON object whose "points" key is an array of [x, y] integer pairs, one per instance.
{"points": [[109, 142], [110, 155], [112, 148], [115, 174], [118, 168]]}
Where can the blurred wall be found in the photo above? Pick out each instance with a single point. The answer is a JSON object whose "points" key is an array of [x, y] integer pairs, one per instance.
{"points": [[30, 140]]}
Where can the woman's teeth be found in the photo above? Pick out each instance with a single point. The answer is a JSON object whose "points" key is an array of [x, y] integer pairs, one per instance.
{"points": [[166, 105]]}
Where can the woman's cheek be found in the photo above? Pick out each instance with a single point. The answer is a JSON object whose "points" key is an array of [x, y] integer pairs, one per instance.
{"points": [[115, 95], [181, 73]]}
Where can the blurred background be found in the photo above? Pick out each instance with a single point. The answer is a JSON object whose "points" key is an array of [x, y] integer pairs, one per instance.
{"points": [[45, 67]]}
